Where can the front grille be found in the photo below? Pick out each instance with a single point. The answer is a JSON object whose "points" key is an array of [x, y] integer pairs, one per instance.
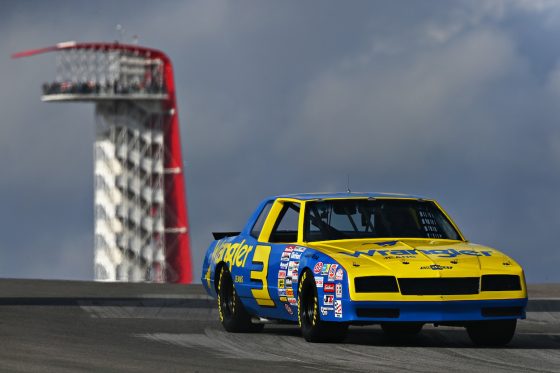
{"points": [[500, 283], [380, 313], [439, 286], [376, 284]]}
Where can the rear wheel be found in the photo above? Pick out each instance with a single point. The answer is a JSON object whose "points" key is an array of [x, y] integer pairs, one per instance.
{"points": [[401, 331], [233, 315], [312, 328], [492, 333]]}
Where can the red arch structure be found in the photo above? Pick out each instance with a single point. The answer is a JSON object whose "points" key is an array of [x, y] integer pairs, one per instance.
{"points": [[177, 235]]}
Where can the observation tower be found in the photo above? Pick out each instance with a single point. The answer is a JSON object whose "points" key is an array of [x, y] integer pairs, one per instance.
{"points": [[141, 223]]}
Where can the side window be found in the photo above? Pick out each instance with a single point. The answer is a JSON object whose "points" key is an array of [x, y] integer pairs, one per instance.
{"points": [[257, 227], [286, 227]]}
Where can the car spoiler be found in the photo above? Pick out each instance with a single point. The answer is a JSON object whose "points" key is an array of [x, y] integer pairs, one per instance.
{"points": [[220, 235]]}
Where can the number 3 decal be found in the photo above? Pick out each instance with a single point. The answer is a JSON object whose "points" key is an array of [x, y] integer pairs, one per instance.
{"points": [[262, 295]]}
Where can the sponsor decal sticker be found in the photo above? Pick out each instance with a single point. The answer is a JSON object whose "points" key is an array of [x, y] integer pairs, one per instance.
{"points": [[289, 249], [283, 265], [289, 292], [339, 290], [281, 274], [338, 308], [325, 269], [280, 283], [317, 268], [339, 274], [283, 299], [288, 309], [328, 288], [285, 257], [325, 310], [288, 281], [281, 292], [292, 300], [319, 281], [328, 299], [294, 275], [296, 255], [300, 249], [332, 272], [292, 266]]}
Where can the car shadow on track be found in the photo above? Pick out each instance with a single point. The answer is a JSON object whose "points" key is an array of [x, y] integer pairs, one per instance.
{"points": [[429, 337]]}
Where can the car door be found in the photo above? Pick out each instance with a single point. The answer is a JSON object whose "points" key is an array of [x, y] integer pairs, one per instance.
{"points": [[276, 260]]}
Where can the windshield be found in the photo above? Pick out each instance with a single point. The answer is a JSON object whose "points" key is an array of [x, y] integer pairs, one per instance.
{"points": [[360, 218]]}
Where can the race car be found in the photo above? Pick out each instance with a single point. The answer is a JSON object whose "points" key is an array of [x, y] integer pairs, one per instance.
{"points": [[327, 261]]}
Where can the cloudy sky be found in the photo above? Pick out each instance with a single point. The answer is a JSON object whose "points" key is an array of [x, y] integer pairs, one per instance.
{"points": [[456, 100]]}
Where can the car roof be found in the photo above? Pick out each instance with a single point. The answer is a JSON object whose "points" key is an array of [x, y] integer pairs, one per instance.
{"points": [[314, 196]]}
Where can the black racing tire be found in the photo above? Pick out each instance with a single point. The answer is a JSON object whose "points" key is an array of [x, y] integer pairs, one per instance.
{"points": [[493, 333], [401, 331], [312, 327], [233, 315]]}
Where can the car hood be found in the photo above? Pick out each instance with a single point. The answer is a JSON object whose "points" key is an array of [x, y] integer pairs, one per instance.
{"points": [[417, 257]]}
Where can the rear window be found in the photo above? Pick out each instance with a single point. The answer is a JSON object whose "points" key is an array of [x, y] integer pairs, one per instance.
{"points": [[257, 227], [286, 227]]}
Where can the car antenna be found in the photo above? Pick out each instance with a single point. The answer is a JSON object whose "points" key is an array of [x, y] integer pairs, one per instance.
{"points": [[348, 184]]}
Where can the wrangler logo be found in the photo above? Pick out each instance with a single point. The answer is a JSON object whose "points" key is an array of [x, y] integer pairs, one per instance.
{"points": [[447, 253], [234, 254]]}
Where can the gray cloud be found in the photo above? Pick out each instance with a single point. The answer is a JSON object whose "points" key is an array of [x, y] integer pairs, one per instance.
{"points": [[451, 100]]}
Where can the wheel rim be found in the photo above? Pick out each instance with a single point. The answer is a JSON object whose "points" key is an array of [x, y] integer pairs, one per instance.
{"points": [[308, 307], [228, 297]]}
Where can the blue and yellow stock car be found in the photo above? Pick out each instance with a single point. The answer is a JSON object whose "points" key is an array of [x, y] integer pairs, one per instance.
{"points": [[327, 261]]}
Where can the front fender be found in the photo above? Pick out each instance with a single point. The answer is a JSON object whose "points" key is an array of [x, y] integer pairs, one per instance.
{"points": [[331, 279]]}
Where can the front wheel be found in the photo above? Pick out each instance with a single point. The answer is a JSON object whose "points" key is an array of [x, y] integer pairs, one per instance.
{"points": [[233, 315], [312, 328], [492, 333]]}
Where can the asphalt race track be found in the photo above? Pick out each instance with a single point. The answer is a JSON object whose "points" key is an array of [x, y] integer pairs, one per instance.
{"points": [[65, 326]]}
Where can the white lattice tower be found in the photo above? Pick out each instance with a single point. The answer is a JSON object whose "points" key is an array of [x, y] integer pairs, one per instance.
{"points": [[141, 224]]}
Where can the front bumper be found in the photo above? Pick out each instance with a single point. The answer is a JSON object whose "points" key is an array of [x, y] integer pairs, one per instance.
{"points": [[430, 312]]}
